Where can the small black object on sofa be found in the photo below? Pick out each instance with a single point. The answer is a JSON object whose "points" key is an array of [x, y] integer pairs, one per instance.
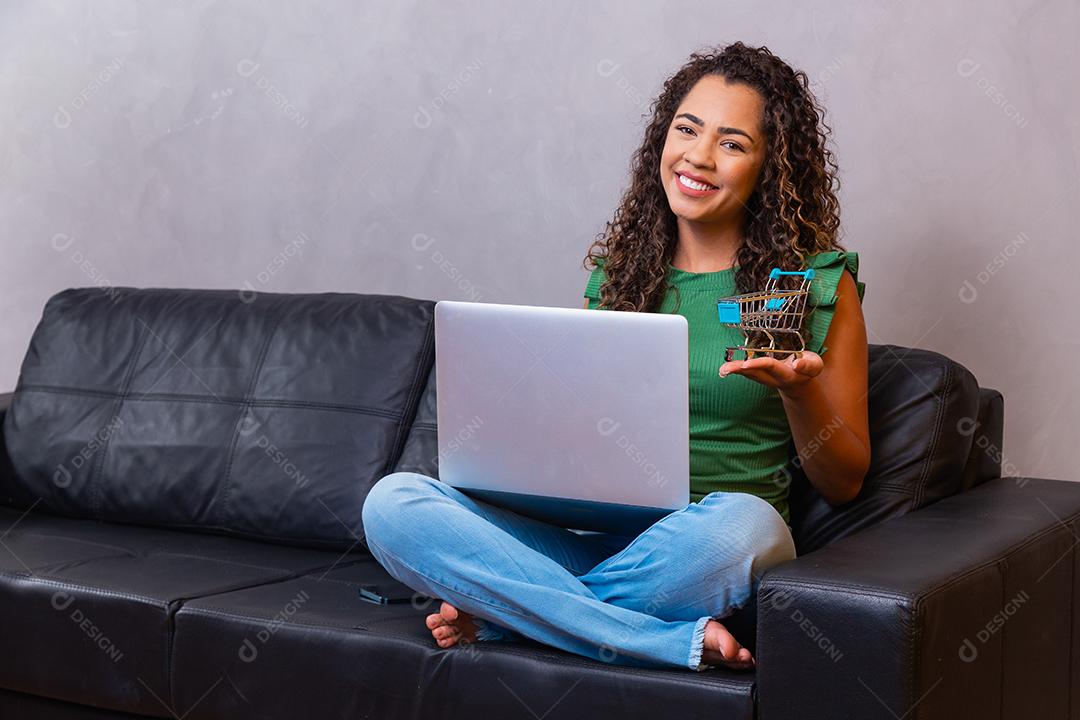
{"points": [[182, 474]]}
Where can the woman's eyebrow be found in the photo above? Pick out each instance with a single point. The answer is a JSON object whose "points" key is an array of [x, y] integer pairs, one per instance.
{"points": [[722, 130]]}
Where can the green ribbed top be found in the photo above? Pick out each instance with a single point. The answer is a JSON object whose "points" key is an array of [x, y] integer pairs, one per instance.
{"points": [[739, 431]]}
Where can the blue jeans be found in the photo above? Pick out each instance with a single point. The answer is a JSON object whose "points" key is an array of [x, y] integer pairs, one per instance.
{"points": [[640, 601]]}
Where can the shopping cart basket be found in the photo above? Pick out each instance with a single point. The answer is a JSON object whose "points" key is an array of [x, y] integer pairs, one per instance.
{"points": [[773, 312]]}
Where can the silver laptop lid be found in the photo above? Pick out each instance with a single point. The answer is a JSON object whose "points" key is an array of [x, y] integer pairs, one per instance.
{"points": [[541, 403]]}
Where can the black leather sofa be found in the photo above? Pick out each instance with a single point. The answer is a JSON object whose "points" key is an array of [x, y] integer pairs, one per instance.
{"points": [[181, 481]]}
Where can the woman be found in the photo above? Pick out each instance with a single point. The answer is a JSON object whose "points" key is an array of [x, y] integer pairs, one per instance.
{"points": [[732, 179]]}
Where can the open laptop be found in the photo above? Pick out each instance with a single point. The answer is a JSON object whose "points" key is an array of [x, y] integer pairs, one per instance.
{"points": [[575, 417]]}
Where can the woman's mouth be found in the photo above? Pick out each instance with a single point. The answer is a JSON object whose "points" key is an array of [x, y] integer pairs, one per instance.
{"points": [[694, 188]]}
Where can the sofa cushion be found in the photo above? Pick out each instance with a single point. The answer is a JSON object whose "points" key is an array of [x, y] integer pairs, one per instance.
{"points": [[263, 415], [88, 606], [921, 409], [33, 707], [339, 656], [421, 451]]}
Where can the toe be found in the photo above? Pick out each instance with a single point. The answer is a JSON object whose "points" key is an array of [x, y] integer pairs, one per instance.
{"points": [[729, 648], [441, 633], [434, 620], [448, 611]]}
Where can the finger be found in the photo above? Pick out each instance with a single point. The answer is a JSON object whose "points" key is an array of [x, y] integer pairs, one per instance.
{"points": [[759, 362], [809, 364], [730, 367], [783, 370], [774, 375], [760, 376], [741, 366]]}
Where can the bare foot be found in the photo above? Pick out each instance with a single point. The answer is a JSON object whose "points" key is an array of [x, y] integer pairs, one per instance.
{"points": [[721, 648], [450, 626]]}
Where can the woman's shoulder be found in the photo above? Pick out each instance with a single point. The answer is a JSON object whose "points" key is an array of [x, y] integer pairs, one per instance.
{"points": [[829, 267]]}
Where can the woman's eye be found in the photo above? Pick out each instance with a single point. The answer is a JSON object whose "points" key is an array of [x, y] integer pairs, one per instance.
{"points": [[735, 145], [682, 127]]}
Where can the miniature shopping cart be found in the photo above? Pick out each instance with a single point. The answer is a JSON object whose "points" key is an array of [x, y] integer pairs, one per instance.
{"points": [[775, 312]]}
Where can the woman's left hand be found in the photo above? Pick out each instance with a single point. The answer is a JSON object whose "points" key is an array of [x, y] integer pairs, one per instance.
{"points": [[788, 375]]}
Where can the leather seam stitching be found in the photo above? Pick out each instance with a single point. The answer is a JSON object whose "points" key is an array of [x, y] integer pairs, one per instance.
{"points": [[846, 588], [939, 420], [223, 513], [118, 401], [86, 589], [254, 402]]}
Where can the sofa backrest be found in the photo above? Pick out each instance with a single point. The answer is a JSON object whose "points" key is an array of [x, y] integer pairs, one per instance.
{"points": [[263, 415], [933, 433], [421, 451], [270, 416]]}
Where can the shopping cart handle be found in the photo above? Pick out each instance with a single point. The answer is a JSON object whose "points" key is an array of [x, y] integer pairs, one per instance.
{"points": [[777, 272]]}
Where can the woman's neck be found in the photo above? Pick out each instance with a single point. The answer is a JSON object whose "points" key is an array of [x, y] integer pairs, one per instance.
{"points": [[705, 248]]}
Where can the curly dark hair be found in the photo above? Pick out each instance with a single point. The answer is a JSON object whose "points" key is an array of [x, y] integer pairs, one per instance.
{"points": [[793, 212]]}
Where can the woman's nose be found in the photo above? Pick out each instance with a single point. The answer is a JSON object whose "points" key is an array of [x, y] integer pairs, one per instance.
{"points": [[698, 155]]}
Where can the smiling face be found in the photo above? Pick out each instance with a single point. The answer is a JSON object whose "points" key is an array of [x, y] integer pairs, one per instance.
{"points": [[713, 152]]}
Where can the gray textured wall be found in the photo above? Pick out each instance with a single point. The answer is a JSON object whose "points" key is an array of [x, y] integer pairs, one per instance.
{"points": [[472, 151]]}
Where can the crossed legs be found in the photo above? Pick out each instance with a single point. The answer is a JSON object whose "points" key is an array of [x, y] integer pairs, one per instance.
{"points": [[643, 601]]}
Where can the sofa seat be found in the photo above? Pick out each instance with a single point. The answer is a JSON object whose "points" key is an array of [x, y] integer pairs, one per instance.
{"points": [[89, 606], [34, 707], [309, 647]]}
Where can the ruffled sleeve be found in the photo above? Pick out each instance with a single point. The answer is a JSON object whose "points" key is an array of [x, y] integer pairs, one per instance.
{"points": [[592, 288], [828, 267]]}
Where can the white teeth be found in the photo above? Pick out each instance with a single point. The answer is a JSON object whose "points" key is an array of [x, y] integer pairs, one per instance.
{"points": [[693, 185]]}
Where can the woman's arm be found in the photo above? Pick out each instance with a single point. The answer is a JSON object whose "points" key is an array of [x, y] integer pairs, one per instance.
{"points": [[825, 402], [828, 414]]}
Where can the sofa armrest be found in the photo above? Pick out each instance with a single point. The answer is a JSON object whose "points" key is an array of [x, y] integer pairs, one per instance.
{"points": [[965, 608]]}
